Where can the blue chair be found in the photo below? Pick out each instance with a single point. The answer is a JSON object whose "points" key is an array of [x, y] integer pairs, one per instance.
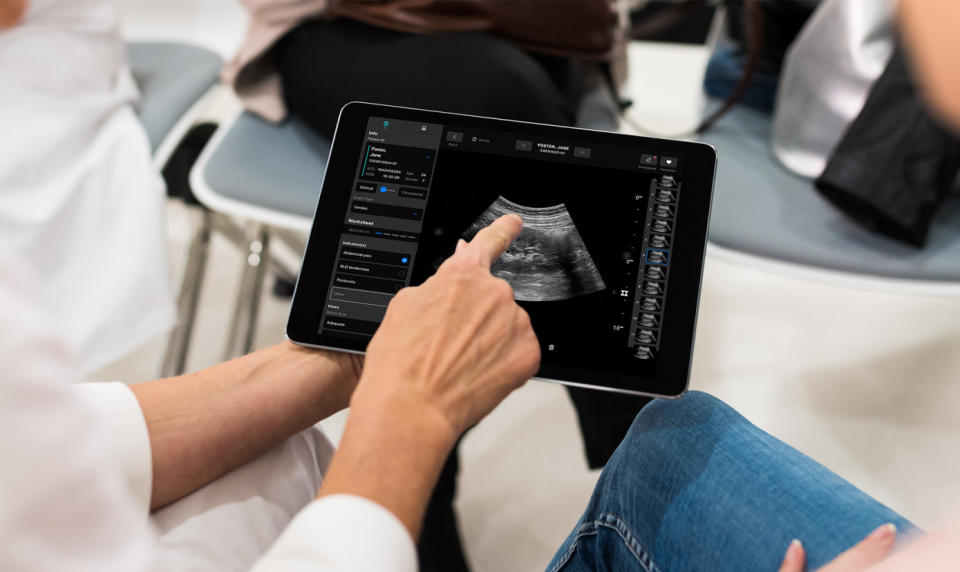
{"points": [[173, 78], [767, 216]]}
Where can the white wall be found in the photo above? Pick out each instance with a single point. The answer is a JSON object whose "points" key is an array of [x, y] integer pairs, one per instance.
{"points": [[216, 24]]}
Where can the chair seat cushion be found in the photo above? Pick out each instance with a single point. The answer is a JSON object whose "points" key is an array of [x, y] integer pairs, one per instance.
{"points": [[171, 77], [275, 167], [762, 209]]}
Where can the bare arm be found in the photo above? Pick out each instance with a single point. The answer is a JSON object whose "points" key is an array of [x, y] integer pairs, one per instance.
{"points": [[10, 12], [204, 424], [445, 355], [930, 30]]}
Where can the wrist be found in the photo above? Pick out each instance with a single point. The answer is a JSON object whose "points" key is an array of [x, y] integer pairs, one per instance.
{"points": [[328, 382], [402, 409], [392, 452]]}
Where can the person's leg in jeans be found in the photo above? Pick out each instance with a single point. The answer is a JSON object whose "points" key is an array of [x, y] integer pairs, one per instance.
{"points": [[695, 486], [604, 420]]}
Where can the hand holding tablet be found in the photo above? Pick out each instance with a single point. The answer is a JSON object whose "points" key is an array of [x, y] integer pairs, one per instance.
{"points": [[607, 265]]}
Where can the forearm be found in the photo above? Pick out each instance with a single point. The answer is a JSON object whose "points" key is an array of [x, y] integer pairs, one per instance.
{"points": [[445, 354], [391, 453], [11, 11], [929, 28], [204, 424]]}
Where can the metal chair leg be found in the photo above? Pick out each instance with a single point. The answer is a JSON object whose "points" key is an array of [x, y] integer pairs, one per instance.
{"points": [[178, 345], [247, 307]]}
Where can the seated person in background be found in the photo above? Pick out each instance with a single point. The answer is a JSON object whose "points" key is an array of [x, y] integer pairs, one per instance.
{"points": [[692, 486], [80, 199], [517, 60]]}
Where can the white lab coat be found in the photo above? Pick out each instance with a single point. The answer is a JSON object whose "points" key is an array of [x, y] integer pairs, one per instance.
{"points": [[83, 279], [80, 201], [76, 470]]}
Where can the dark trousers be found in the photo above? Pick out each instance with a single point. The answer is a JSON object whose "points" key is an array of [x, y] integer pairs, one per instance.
{"points": [[325, 65]]}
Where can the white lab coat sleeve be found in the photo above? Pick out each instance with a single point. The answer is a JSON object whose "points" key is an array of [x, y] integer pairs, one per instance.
{"points": [[340, 533], [64, 506], [128, 447]]}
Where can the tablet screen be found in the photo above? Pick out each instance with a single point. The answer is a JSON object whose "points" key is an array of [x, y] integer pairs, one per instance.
{"points": [[601, 266]]}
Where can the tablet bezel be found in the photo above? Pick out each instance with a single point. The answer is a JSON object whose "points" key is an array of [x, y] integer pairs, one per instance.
{"points": [[698, 171]]}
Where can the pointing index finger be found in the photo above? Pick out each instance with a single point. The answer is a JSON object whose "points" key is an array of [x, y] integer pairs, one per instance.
{"points": [[495, 239]]}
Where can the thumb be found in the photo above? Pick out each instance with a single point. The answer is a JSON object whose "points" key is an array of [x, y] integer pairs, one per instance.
{"points": [[794, 559], [871, 550]]}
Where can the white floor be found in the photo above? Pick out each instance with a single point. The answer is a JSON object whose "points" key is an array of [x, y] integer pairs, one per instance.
{"points": [[864, 379]]}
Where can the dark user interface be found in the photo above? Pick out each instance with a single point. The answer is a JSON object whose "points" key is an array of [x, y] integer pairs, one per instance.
{"points": [[591, 266]]}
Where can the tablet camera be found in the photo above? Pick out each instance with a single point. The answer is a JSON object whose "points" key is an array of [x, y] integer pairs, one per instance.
{"points": [[643, 352], [666, 196], [663, 211], [652, 288], [660, 226], [655, 273], [648, 321], [650, 304], [659, 241], [646, 337]]}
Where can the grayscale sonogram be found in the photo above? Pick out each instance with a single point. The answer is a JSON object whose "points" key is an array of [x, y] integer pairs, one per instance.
{"points": [[657, 257], [549, 260], [650, 304], [646, 337], [663, 211], [652, 288], [648, 320], [666, 196], [643, 352], [655, 272], [660, 226], [659, 241], [668, 181]]}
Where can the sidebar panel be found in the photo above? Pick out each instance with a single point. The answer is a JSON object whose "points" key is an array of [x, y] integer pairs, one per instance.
{"points": [[378, 242]]}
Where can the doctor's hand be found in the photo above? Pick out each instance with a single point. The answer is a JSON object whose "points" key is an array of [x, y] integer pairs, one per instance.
{"points": [[455, 346], [447, 352]]}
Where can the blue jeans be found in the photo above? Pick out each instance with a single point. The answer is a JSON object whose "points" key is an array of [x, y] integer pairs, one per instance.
{"points": [[695, 486]]}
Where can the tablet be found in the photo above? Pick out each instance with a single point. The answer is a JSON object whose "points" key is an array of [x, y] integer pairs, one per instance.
{"points": [[608, 264]]}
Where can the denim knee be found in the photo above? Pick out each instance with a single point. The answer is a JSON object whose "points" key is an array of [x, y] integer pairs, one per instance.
{"points": [[676, 433], [669, 445], [695, 408]]}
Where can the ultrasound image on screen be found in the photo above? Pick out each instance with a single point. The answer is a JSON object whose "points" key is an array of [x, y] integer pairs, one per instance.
{"points": [[575, 266], [644, 353], [549, 260]]}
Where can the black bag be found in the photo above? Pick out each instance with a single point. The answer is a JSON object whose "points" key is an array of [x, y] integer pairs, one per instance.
{"points": [[895, 164]]}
